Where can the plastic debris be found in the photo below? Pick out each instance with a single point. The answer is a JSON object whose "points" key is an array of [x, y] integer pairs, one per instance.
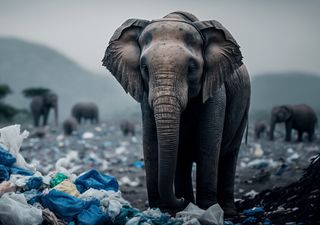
{"points": [[34, 183], [14, 210], [138, 164], [11, 140], [6, 158], [213, 215], [96, 180], [253, 211], [127, 181], [6, 186], [57, 179], [4, 173], [65, 206], [87, 135], [68, 187]]}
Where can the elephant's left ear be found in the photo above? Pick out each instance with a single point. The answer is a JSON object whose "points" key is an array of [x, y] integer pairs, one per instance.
{"points": [[221, 53], [122, 57]]}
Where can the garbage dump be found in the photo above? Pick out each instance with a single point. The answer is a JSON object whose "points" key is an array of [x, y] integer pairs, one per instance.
{"points": [[99, 178]]}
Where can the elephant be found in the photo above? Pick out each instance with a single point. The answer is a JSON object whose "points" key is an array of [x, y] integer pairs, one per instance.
{"points": [[259, 128], [299, 117], [194, 92], [41, 105], [85, 110], [127, 128], [70, 125]]}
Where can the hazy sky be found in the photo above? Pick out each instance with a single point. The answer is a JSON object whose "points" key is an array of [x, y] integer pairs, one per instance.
{"points": [[274, 35]]}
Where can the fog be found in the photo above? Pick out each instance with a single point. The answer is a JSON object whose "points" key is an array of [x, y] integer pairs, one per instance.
{"points": [[273, 35]]}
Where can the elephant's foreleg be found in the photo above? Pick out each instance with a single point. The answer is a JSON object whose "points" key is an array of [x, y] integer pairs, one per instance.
{"points": [[227, 171], [288, 130], [300, 135], [150, 152], [207, 158]]}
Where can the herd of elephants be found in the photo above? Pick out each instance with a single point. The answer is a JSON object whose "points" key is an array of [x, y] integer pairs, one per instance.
{"points": [[194, 92]]}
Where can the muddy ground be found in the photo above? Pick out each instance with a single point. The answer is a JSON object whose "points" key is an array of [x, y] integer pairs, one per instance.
{"points": [[262, 164]]}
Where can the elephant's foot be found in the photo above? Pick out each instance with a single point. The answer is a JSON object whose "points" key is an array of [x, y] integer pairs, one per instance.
{"points": [[229, 210], [205, 203]]}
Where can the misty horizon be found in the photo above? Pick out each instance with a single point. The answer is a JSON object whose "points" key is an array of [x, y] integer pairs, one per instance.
{"points": [[266, 31]]}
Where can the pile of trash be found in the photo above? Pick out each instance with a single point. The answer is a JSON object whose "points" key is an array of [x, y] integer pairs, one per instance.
{"points": [[297, 202], [61, 197]]}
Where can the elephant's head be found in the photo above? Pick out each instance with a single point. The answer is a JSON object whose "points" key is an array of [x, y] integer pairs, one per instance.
{"points": [[51, 101], [170, 61], [279, 114]]}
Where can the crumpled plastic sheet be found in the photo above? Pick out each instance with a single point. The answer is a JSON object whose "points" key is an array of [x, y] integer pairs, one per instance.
{"points": [[96, 180], [152, 216], [68, 187], [7, 186], [57, 179], [34, 183], [14, 210], [4, 173], [70, 208], [212, 216], [110, 201], [6, 158], [11, 140]]}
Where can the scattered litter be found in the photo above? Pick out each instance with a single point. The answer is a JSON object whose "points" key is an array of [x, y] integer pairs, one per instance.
{"points": [[87, 135]]}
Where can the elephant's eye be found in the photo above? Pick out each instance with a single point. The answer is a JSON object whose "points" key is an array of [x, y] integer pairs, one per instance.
{"points": [[145, 71]]}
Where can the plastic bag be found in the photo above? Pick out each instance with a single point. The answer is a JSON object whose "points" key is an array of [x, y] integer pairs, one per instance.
{"points": [[21, 171], [65, 206], [96, 180], [93, 216], [57, 179], [14, 210], [111, 202], [68, 187], [6, 158], [213, 215], [34, 183], [11, 140], [4, 173]]}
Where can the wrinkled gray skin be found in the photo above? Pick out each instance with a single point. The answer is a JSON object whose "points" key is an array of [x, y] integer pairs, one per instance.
{"points": [[69, 125], [299, 117], [85, 110], [40, 107], [259, 129], [194, 93], [127, 128]]}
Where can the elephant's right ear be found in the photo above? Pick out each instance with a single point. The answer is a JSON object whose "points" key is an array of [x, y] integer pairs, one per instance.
{"points": [[122, 57]]}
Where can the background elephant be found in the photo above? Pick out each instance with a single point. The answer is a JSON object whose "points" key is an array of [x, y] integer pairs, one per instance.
{"points": [[41, 105], [127, 128], [194, 92], [85, 110], [299, 117], [69, 125], [259, 128]]}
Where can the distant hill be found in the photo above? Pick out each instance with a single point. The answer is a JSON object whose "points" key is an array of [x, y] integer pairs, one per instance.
{"points": [[24, 64], [273, 89]]}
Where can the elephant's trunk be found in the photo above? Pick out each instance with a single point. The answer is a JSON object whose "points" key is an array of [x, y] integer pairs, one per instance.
{"points": [[272, 126], [56, 114], [167, 113]]}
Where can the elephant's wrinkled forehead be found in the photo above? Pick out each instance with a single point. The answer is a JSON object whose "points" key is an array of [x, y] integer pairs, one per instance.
{"points": [[171, 31]]}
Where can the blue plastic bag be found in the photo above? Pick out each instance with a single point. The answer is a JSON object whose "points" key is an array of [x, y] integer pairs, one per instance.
{"points": [[4, 173], [34, 183], [6, 158], [65, 206], [253, 211], [21, 171], [93, 216], [96, 180]]}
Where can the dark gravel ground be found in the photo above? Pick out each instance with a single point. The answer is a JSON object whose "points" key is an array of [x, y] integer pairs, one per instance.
{"points": [[262, 164]]}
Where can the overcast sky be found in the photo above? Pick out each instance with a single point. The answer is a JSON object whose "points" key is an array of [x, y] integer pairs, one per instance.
{"points": [[274, 35]]}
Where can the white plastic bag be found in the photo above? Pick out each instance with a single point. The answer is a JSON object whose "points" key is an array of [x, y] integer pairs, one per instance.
{"points": [[14, 210], [213, 215], [11, 140]]}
